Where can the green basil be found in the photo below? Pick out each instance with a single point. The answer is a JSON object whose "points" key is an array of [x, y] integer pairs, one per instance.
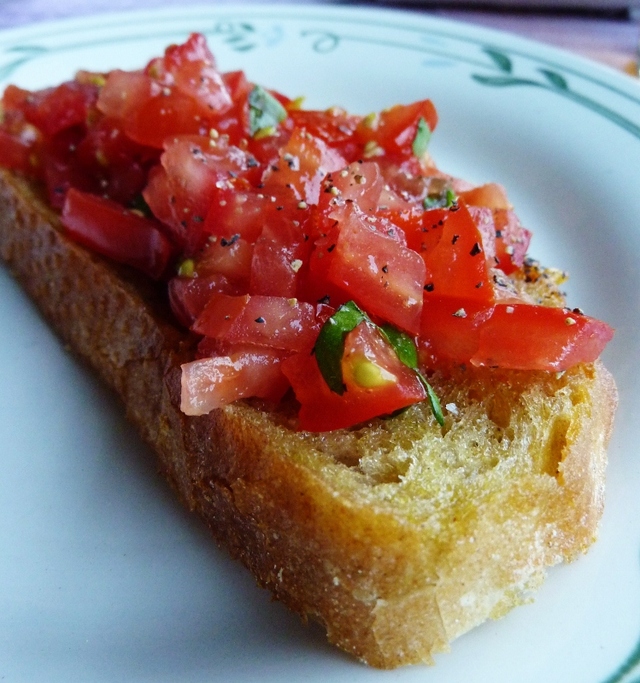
{"points": [[406, 350], [421, 140], [444, 200], [329, 347], [265, 112], [402, 344]]}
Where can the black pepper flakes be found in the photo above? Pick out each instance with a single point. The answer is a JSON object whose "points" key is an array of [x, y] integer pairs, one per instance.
{"points": [[455, 239], [476, 249], [385, 269], [228, 242], [260, 320], [429, 287]]}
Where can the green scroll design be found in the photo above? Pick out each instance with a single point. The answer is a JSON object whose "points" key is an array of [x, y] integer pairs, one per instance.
{"points": [[551, 81], [19, 55], [629, 666]]}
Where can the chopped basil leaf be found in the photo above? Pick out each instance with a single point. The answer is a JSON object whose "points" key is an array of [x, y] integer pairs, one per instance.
{"points": [[421, 140], [444, 200], [329, 347], [265, 112], [403, 345], [406, 350], [434, 401]]}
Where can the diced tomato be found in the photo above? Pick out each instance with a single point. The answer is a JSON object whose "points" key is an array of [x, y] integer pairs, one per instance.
{"points": [[333, 126], [210, 383], [382, 276], [394, 130], [151, 113], [279, 323], [491, 196], [450, 329], [457, 265], [181, 193], [180, 93], [360, 182], [14, 152], [190, 67], [527, 337], [189, 295], [275, 228], [512, 241], [278, 256], [302, 164], [53, 109], [376, 381], [229, 257], [110, 230], [237, 211]]}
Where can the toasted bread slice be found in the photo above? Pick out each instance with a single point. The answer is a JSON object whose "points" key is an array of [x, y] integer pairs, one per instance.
{"points": [[399, 535]]}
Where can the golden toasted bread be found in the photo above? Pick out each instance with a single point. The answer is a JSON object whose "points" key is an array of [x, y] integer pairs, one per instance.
{"points": [[399, 535]]}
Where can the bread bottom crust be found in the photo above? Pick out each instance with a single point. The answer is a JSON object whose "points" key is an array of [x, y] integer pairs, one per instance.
{"points": [[398, 537]]}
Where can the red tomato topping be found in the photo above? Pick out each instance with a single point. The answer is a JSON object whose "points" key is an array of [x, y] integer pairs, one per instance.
{"points": [[125, 237], [382, 276], [209, 383], [276, 217], [526, 337], [279, 323]]}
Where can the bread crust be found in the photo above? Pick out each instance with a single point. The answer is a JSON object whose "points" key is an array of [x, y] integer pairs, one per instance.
{"points": [[399, 536]]}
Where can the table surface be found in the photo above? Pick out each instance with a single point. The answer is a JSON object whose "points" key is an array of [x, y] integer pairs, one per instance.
{"points": [[610, 40]]}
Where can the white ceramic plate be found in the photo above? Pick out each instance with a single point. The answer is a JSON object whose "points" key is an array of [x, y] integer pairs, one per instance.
{"points": [[103, 577]]}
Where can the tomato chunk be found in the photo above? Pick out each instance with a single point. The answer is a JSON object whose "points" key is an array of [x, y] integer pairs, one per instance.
{"points": [[111, 230], [382, 276], [527, 337], [277, 322], [457, 265], [210, 383]]}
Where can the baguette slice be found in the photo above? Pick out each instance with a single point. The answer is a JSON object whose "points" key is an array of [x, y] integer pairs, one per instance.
{"points": [[397, 536]]}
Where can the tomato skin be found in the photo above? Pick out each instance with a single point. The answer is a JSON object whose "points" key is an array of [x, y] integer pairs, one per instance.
{"points": [[382, 276], [302, 164], [457, 265], [190, 67], [189, 295], [394, 129], [15, 153], [528, 337], [181, 192], [323, 410], [105, 227], [276, 322], [53, 109], [209, 383]]}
